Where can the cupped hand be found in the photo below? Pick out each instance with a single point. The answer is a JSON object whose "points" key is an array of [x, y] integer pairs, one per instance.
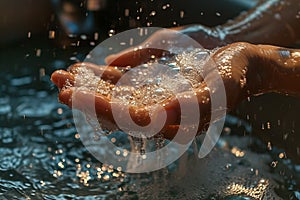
{"points": [[232, 65]]}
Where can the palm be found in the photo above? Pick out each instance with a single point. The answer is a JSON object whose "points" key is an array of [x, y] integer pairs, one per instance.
{"points": [[230, 61]]}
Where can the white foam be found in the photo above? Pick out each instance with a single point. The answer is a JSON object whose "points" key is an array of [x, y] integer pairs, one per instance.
{"points": [[151, 83]]}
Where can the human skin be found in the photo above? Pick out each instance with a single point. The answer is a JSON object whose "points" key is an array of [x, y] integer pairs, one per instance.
{"points": [[263, 68], [273, 22]]}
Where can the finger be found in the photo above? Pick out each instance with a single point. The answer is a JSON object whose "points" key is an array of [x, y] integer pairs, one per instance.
{"points": [[82, 100], [107, 73], [91, 102], [134, 57], [188, 129], [61, 78]]}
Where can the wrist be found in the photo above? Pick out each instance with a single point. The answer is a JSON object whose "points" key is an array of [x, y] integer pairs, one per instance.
{"points": [[278, 69], [207, 37]]}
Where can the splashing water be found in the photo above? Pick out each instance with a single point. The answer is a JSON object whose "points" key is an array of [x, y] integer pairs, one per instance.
{"points": [[191, 66], [149, 83], [42, 157]]}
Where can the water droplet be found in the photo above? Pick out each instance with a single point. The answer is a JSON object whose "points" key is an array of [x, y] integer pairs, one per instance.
{"points": [[38, 52], [51, 34], [181, 14], [126, 12], [269, 146], [274, 164], [42, 72], [152, 13], [277, 16], [282, 155], [111, 32], [83, 37], [228, 166], [96, 36]]}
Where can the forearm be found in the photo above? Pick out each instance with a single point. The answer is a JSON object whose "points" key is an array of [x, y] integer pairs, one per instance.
{"points": [[274, 22], [277, 69]]}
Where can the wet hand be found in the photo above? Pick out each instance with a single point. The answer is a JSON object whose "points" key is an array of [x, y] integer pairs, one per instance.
{"points": [[231, 62]]}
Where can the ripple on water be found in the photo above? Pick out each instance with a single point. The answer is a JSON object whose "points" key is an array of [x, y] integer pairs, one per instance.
{"points": [[5, 107], [35, 107]]}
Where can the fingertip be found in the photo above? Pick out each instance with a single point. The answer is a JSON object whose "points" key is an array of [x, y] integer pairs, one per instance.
{"points": [[74, 67], [61, 77], [109, 59], [65, 97]]}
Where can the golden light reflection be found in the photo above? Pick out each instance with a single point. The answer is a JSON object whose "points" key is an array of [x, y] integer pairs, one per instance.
{"points": [[51, 34], [104, 172], [61, 165], [119, 169], [106, 177], [84, 177], [254, 192], [237, 152], [59, 110], [282, 155], [57, 173], [77, 136]]}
